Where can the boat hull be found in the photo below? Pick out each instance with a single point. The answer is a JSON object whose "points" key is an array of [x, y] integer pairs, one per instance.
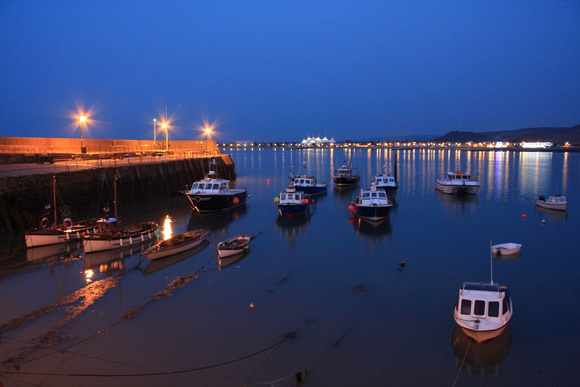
{"points": [[506, 248], [233, 246], [552, 206], [343, 181], [49, 236], [373, 212], [217, 203], [292, 209], [448, 187], [311, 191], [95, 242]]}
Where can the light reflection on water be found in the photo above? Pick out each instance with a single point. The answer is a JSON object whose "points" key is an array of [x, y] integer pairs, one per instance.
{"points": [[359, 317]]}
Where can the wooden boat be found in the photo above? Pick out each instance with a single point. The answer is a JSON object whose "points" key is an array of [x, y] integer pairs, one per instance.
{"points": [[111, 234], [346, 175], [554, 202], [457, 181], [213, 194], [506, 248], [371, 203], [176, 244], [292, 202], [233, 246]]}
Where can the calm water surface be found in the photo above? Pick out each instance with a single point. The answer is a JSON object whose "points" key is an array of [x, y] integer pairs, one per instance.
{"points": [[330, 298]]}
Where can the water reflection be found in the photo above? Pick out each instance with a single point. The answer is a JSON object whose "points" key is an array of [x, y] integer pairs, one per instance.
{"points": [[52, 252], [292, 227], [459, 204], [484, 358], [215, 221], [111, 262], [229, 261], [368, 228], [167, 229], [552, 215]]}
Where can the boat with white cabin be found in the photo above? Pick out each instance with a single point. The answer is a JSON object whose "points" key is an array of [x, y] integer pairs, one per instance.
{"points": [[371, 203], [213, 194], [554, 202], [292, 202], [458, 181], [386, 181], [308, 184]]}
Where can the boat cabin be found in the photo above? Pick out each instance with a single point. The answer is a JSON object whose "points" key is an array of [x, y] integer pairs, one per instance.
{"points": [[291, 196], [209, 187], [373, 194], [110, 226], [483, 301], [305, 181], [459, 176], [382, 180], [556, 199]]}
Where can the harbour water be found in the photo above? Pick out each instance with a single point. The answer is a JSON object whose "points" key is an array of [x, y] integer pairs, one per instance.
{"points": [[332, 304]]}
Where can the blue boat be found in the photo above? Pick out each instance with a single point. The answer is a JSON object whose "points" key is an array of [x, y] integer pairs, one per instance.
{"points": [[308, 184], [292, 202]]}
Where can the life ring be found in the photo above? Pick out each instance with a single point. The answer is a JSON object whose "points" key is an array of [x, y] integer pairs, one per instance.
{"points": [[68, 223], [44, 222], [196, 199], [116, 235]]}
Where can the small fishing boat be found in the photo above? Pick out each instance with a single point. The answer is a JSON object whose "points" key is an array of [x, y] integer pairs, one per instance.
{"points": [[346, 175], [233, 246], [483, 309], [458, 181], [213, 194], [386, 181], [176, 244], [506, 248], [308, 184], [292, 202], [371, 203], [112, 234], [554, 202]]}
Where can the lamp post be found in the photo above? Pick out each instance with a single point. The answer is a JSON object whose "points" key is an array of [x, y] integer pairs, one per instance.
{"points": [[154, 131], [208, 134], [82, 120], [166, 135]]}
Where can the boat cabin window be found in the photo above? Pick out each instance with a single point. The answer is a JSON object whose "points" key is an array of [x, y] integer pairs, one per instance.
{"points": [[506, 304], [479, 308], [283, 196], [365, 194], [216, 186], [373, 194], [493, 309], [382, 194], [466, 307]]}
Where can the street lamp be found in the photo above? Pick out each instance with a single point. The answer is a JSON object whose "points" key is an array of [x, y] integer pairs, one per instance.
{"points": [[166, 135], [82, 120], [208, 134], [154, 132]]}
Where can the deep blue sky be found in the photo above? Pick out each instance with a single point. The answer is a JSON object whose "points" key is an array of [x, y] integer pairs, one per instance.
{"points": [[284, 70]]}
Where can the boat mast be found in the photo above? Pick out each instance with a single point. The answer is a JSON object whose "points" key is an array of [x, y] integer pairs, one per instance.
{"points": [[54, 198], [115, 194], [491, 260]]}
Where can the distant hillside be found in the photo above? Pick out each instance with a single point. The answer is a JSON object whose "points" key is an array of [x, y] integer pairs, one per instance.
{"points": [[555, 135]]}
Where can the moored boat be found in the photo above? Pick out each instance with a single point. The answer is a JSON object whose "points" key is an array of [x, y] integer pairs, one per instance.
{"points": [[213, 194], [506, 248], [308, 184], [292, 202], [554, 202], [386, 181], [346, 175], [176, 244], [371, 203], [233, 245], [112, 234], [458, 181], [483, 310]]}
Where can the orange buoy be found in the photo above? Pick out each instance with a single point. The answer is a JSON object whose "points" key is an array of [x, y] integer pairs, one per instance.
{"points": [[351, 208], [236, 201], [523, 216], [268, 181]]}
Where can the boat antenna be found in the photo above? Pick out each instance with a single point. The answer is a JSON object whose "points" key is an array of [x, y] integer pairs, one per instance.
{"points": [[491, 260], [54, 198]]}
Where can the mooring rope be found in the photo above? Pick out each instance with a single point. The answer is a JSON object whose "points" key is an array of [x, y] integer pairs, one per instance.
{"points": [[462, 361]]}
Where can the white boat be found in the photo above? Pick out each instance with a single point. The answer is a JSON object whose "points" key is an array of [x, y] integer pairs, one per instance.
{"points": [[233, 246], [386, 181], [554, 202], [176, 244], [458, 181], [483, 310], [506, 248], [111, 234], [371, 203], [307, 184], [213, 194]]}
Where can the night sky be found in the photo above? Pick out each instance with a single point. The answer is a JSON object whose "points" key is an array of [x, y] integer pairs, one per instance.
{"points": [[285, 70]]}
